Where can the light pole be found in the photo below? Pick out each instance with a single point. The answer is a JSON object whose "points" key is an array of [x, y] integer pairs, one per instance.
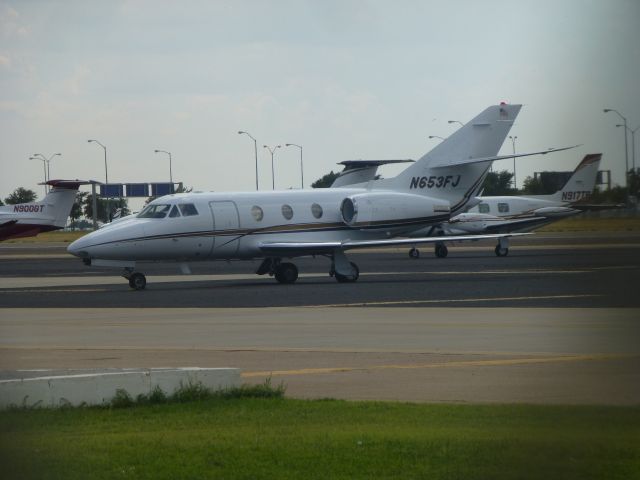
{"points": [[255, 147], [44, 169], [513, 144], [170, 174], [455, 121], [626, 148], [106, 175], [301, 170], [633, 144], [273, 178], [47, 160], [435, 136]]}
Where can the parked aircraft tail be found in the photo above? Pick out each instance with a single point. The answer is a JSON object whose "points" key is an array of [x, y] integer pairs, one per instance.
{"points": [[580, 185], [58, 202]]}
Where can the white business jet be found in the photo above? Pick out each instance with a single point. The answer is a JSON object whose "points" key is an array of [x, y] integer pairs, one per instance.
{"points": [[522, 213], [277, 225], [30, 219]]}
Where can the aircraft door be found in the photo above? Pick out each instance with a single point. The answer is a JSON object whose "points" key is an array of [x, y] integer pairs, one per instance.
{"points": [[226, 225]]}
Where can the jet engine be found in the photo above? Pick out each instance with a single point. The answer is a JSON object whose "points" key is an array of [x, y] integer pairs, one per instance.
{"points": [[381, 208]]}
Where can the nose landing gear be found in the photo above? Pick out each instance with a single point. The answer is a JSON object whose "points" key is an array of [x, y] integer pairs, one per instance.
{"points": [[137, 280]]}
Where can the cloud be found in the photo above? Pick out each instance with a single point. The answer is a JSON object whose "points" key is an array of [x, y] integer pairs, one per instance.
{"points": [[5, 62], [75, 83], [10, 25]]}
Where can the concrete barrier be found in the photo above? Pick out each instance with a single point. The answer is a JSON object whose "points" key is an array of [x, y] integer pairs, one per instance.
{"points": [[98, 388]]}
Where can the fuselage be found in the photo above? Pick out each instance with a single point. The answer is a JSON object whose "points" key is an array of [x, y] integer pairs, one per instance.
{"points": [[508, 214], [199, 226]]}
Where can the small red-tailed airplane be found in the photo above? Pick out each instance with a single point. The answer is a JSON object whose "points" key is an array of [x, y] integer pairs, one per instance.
{"points": [[30, 219]]}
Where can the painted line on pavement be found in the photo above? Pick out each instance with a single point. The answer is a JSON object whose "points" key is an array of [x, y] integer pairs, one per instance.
{"points": [[459, 300], [466, 363]]}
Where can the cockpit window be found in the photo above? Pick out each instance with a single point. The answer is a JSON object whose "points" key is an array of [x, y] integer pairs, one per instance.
{"points": [[155, 211], [174, 212], [188, 209], [483, 208]]}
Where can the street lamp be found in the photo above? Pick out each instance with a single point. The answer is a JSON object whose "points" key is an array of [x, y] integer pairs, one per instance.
{"points": [[513, 144], [626, 148], [47, 160], [301, 171], [273, 178], [255, 147], [435, 136], [633, 144], [106, 174], [456, 121], [44, 169], [170, 174]]}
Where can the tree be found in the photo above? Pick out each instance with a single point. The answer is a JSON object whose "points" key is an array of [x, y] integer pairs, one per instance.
{"points": [[1, 203], [533, 186], [76, 209], [21, 195], [498, 183], [103, 215], [326, 181]]}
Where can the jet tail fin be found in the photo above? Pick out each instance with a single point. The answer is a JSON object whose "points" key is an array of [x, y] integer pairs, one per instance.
{"points": [[454, 170], [582, 182], [59, 201]]}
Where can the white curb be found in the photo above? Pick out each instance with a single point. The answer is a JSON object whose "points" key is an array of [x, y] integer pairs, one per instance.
{"points": [[100, 388]]}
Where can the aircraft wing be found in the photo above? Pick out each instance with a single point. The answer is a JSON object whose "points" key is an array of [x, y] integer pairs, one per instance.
{"points": [[587, 207], [319, 248], [515, 224], [8, 223]]}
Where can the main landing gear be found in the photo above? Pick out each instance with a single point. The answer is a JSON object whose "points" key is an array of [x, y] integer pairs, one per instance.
{"points": [[502, 248], [137, 280], [440, 250], [342, 270]]}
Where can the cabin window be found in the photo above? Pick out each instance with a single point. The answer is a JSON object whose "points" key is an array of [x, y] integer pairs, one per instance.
{"points": [[257, 213], [155, 211], [316, 210], [503, 207], [188, 209], [174, 212], [483, 208], [287, 211]]}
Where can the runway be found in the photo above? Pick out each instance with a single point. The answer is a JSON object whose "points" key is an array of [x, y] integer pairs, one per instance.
{"points": [[555, 322]]}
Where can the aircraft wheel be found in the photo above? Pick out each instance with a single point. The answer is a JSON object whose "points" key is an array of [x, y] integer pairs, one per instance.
{"points": [[286, 273], [414, 253], [501, 252], [137, 281], [441, 250], [349, 279]]}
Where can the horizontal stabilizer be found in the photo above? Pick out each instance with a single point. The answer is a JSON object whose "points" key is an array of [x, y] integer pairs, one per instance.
{"points": [[500, 157], [68, 184]]}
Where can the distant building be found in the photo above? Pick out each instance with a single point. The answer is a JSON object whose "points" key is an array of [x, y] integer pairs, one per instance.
{"points": [[554, 181]]}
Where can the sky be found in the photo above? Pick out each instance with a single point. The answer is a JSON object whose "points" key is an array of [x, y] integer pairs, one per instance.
{"points": [[344, 79]]}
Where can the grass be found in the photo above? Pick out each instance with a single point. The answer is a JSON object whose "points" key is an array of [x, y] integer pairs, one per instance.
{"points": [[594, 224], [49, 237], [240, 437]]}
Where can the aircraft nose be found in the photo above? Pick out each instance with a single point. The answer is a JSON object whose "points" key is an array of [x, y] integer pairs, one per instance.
{"points": [[77, 248]]}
